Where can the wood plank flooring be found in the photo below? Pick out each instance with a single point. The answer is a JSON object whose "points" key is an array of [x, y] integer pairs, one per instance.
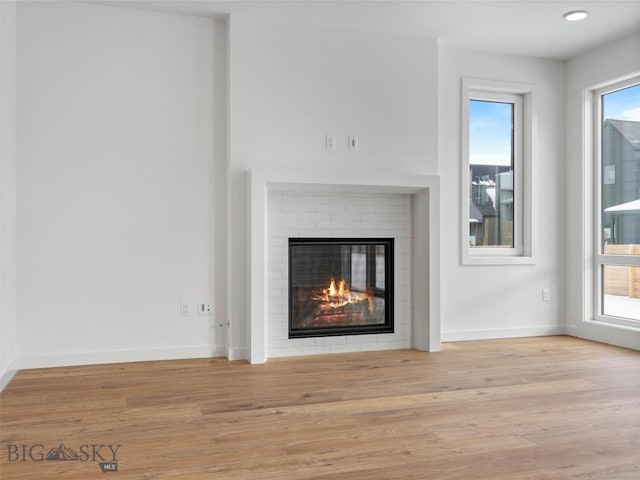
{"points": [[535, 408]]}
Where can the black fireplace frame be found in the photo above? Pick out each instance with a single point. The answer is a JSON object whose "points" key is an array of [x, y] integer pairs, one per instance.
{"points": [[388, 295]]}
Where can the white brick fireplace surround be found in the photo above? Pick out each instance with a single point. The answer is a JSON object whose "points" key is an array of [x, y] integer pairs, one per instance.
{"points": [[291, 203]]}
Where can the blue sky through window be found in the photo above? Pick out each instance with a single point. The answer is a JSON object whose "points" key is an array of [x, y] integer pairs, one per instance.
{"points": [[623, 104], [490, 133]]}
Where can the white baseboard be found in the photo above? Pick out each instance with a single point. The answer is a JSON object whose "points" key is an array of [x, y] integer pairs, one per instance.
{"points": [[8, 374], [609, 334], [119, 356], [491, 333], [236, 353]]}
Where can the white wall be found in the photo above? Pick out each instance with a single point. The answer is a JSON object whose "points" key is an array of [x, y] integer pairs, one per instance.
{"points": [[503, 301], [583, 72], [8, 325], [116, 177], [292, 84]]}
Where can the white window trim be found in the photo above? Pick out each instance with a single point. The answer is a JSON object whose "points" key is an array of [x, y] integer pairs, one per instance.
{"points": [[522, 253], [593, 158]]}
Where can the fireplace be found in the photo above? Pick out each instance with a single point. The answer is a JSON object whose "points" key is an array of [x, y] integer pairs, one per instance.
{"points": [[296, 203], [340, 286]]}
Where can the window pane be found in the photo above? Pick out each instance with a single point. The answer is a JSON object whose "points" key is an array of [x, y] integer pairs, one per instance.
{"points": [[619, 207], [620, 172], [621, 291], [491, 167]]}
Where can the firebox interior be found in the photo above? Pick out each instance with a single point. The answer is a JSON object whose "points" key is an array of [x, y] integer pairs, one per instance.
{"points": [[340, 286]]}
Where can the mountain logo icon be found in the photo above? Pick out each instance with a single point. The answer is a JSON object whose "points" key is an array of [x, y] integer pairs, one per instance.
{"points": [[62, 453]]}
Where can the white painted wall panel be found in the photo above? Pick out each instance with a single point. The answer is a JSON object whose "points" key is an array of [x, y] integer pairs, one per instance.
{"points": [[115, 183], [8, 225], [293, 84]]}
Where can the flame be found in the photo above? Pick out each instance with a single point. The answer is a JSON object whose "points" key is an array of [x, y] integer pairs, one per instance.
{"points": [[341, 291], [335, 296]]}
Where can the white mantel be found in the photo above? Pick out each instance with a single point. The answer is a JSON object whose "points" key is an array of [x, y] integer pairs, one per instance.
{"points": [[425, 193]]}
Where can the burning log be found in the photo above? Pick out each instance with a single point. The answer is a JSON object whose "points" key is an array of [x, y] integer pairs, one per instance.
{"points": [[351, 318], [340, 296]]}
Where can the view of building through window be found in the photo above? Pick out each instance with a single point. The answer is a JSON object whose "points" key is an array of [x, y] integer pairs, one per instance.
{"points": [[620, 201], [491, 174]]}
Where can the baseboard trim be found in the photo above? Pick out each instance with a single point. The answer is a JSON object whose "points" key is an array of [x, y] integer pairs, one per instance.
{"points": [[608, 334], [119, 356], [492, 333], [236, 353], [8, 374]]}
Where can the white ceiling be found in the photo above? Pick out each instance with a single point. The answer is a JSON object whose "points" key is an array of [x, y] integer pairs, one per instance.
{"points": [[523, 27]]}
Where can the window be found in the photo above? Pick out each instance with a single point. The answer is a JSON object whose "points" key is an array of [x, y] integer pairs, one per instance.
{"points": [[617, 202], [495, 173]]}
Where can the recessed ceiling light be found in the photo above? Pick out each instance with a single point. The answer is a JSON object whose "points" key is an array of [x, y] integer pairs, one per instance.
{"points": [[576, 15]]}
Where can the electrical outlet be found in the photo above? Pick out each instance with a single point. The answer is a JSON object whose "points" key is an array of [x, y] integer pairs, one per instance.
{"points": [[186, 308], [546, 294], [205, 307]]}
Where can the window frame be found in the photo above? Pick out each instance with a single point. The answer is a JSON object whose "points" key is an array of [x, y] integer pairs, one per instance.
{"points": [[593, 108], [520, 95]]}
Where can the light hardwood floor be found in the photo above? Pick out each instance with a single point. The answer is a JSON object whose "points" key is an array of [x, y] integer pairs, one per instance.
{"points": [[538, 408]]}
